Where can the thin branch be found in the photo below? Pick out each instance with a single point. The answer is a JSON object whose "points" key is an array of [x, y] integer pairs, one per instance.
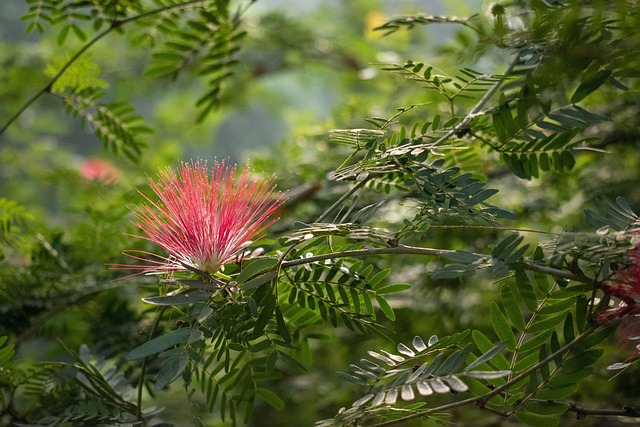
{"points": [[416, 250], [582, 413], [114, 25], [563, 274], [356, 253]]}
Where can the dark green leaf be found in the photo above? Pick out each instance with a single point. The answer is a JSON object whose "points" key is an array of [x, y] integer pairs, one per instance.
{"points": [[160, 343], [556, 393], [172, 368], [590, 84], [258, 266], [266, 314], [536, 420], [259, 280], [546, 408]]}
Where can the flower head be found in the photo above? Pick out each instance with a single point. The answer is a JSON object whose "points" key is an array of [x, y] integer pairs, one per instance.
{"points": [[624, 284], [203, 218]]}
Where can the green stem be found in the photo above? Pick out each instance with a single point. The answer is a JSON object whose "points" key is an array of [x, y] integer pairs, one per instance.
{"points": [[144, 365], [114, 25]]}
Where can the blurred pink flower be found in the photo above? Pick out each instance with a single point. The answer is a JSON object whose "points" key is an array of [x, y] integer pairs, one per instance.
{"points": [[99, 170], [202, 219]]}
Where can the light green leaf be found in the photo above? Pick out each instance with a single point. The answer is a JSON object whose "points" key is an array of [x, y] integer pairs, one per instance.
{"points": [[385, 307], [270, 398], [502, 327], [392, 289], [511, 307], [485, 345]]}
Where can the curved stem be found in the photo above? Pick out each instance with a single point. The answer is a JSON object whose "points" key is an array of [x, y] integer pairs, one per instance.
{"points": [[114, 25], [144, 365]]}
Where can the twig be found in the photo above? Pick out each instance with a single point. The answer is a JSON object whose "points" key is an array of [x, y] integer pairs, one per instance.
{"points": [[582, 413]]}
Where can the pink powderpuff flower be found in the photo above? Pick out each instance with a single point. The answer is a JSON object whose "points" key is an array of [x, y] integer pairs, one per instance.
{"points": [[624, 285], [202, 219]]}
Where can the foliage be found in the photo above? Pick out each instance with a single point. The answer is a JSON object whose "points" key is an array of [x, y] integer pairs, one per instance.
{"points": [[441, 216]]}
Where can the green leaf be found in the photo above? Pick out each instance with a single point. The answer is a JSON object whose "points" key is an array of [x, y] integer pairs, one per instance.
{"points": [[536, 420], [282, 326], [564, 379], [555, 393], [6, 351], [525, 289], [270, 398], [511, 307], [546, 324], [172, 368], [385, 307], [378, 277], [352, 379], [590, 84], [488, 355], [160, 343], [265, 315], [259, 280], [392, 289], [502, 327], [258, 266], [485, 345], [366, 297], [546, 408], [481, 196]]}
